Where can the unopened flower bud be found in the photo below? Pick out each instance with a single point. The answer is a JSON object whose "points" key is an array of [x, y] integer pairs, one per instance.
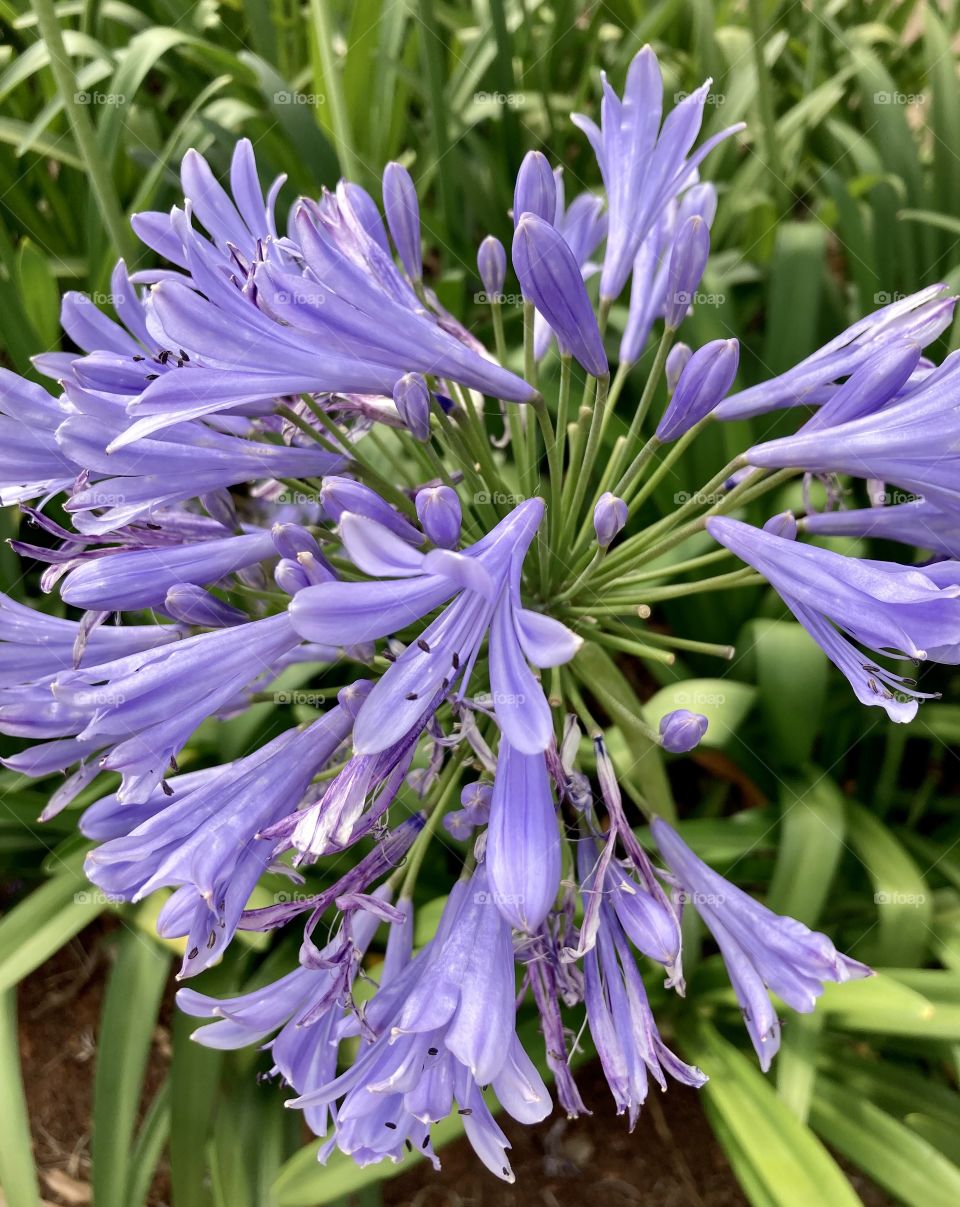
{"points": [[193, 605], [681, 730], [403, 217], [677, 359], [609, 517], [550, 277], [413, 404], [492, 266], [438, 510], [536, 189], [784, 524], [338, 494], [687, 262], [705, 379]]}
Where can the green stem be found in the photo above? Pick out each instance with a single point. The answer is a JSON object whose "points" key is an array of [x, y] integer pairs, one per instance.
{"points": [[759, 33], [333, 89], [98, 169]]}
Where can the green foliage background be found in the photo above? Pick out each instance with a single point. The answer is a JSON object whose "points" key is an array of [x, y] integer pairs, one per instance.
{"points": [[842, 194]]}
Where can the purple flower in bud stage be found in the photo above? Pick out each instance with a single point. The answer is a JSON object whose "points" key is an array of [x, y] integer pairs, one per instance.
{"points": [[475, 799], [677, 360], [609, 518], [915, 522], [195, 606], [706, 377], [485, 579], [523, 839], [440, 516], [688, 259], [885, 608], [536, 189], [784, 524], [338, 495], [550, 277], [644, 166], [618, 1011], [492, 266], [649, 292], [763, 951], [437, 1029], [583, 224], [202, 842], [403, 217], [681, 730], [919, 318], [128, 580], [412, 397]]}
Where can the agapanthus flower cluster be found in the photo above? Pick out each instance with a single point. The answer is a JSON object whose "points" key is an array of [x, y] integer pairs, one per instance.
{"points": [[281, 455]]}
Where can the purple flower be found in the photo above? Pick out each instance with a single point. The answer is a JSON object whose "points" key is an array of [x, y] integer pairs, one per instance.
{"points": [[706, 377], [536, 189], [609, 518], [440, 516], [141, 708], [763, 951], [914, 523], [643, 165], [919, 318], [203, 842], [403, 217], [550, 277], [523, 839], [492, 266], [688, 259], [583, 224], [618, 1011], [31, 461], [912, 441], [681, 730], [412, 398], [677, 360], [141, 578], [485, 581], [437, 1029], [881, 606]]}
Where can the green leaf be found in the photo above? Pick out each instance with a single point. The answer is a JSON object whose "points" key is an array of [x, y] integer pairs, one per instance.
{"points": [[794, 297], [18, 1177], [39, 292], [127, 1023], [43, 922], [792, 679], [901, 895], [812, 825], [788, 1165], [891, 1154], [149, 1147]]}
